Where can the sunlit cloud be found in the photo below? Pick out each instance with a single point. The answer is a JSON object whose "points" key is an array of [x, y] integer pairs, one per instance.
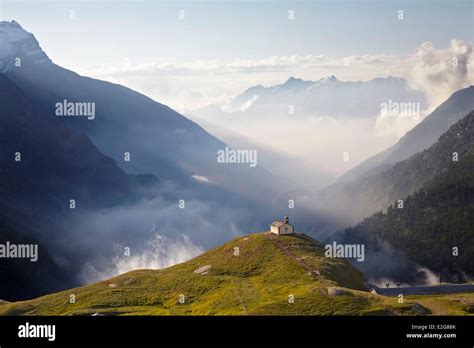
{"points": [[195, 84]]}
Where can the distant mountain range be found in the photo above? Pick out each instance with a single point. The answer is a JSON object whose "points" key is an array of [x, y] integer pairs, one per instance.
{"points": [[306, 114], [325, 97]]}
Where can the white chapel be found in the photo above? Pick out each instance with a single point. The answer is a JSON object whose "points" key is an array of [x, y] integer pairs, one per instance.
{"points": [[282, 227]]}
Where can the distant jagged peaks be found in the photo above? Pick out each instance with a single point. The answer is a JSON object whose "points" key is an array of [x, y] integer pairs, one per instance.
{"points": [[293, 85], [327, 96], [293, 81], [17, 46], [297, 82], [329, 79]]}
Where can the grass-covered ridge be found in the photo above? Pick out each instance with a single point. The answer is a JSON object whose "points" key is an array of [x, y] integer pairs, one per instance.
{"points": [[259, 280]]}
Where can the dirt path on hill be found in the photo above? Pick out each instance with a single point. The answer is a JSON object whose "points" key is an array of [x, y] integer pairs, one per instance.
{"points": [[238, 289], [313, 272]]}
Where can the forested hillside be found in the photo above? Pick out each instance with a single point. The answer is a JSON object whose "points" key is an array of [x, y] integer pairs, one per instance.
{"points": [[438, 218]]}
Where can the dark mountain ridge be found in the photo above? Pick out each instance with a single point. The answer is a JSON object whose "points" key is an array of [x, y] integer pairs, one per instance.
{"points": [[380, 180], [434, 226]]}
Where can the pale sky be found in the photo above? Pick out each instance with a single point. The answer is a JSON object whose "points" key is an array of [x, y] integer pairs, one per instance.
{"points": [[221, 48], [149, 30]]}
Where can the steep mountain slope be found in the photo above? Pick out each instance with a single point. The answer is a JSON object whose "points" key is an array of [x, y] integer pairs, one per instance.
{"points": [[259, 280], [160, 141], [438, 214], [419, 138], [325, 97], [56, 165], [358, 195]]}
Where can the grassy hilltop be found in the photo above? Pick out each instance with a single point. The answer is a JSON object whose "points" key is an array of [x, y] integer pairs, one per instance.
{"points": [[257, 281]]}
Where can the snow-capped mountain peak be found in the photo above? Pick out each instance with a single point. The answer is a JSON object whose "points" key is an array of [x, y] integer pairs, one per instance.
{"points": [[328, 80], [18, 45]]}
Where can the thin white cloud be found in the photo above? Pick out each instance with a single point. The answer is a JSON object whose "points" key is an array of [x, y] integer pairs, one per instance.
{"points": [[202, 179], [274, 63]]}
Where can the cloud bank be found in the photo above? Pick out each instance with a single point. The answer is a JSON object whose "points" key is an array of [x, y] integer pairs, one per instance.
{"points": [[159, 252], [192, 85], [441, 72]]}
